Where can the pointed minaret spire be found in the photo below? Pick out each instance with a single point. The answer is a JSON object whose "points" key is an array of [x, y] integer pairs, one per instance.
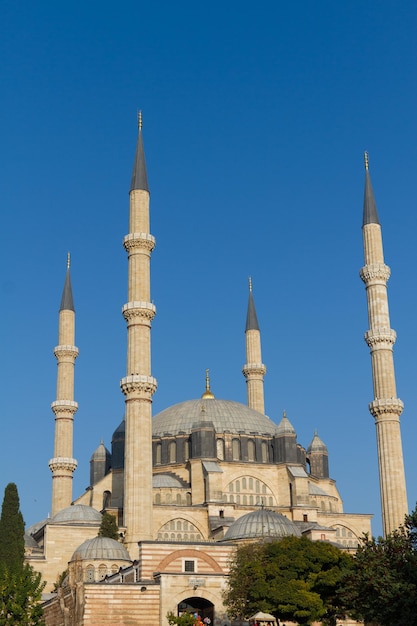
{"points": [[138, 385], [67, 301], [254, 370], [63, 465], [370, 214], [386, 408], [139, 176]]}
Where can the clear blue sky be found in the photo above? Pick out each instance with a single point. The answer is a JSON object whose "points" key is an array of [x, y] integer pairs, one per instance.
{"points": [[256, 117]]}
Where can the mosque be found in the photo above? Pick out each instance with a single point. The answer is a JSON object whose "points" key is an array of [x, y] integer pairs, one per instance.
{"points": [[190, 483]]}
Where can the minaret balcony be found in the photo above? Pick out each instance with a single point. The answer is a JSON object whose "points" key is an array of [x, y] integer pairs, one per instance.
{"points": [[375, 274], [380, 338], [138, 242], [64, 406], [138, 309], [384, 407], [138, 384], [66, 465]]}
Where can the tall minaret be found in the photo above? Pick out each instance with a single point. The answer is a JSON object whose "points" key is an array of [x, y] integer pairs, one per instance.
{"points": [[63, 465], [386, 407], [254, 370], [138, 385]]}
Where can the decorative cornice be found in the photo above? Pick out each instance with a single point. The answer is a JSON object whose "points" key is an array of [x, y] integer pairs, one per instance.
{"points": [[386, 406], [63, 464], [380, 338], [136, 383], [64, 406], [375, 273], [143, 241], [133, 310], [258, 369], [66, 351]]}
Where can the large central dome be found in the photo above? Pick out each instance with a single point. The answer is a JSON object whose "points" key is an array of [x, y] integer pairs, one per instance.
{"points": [[225, 415]]}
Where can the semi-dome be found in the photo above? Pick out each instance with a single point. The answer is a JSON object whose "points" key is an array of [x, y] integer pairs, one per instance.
{"points": [[262, 524], [77, 514], [102, 548], [166, 480], [224, 414]]}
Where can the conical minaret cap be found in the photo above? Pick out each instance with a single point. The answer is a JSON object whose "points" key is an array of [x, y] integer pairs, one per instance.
{"points": [[251, 318], [67, 301], [370, 213], [139, 176]]}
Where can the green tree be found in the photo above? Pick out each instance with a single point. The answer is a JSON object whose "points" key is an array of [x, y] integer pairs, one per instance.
{"points": [[295, 579], [20, 597], [108, 527], [20, 587], [12, 530], [186, 619], [382, 586]]}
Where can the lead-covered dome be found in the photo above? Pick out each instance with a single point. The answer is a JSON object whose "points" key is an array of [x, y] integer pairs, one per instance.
{"points": [[262, 524], [77, 514], [102, 548], [224, 414]]}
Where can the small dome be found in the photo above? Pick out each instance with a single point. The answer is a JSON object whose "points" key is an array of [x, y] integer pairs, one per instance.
{"points": [[225, 415], [316, 445], [166, 480], [262, 524], [285, 427], [102, 548], [100, 453], [77, 514]]}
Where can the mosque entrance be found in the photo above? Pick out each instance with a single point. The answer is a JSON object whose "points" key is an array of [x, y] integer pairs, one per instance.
{"points": [[204, 608]]}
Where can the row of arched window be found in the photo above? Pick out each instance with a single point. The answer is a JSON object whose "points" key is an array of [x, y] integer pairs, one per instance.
{"points": [[93, 574], [173, 498], [175, 455]]}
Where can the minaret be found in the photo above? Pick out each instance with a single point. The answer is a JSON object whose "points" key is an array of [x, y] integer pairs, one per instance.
{"points": [[63, 465], [138, 385], [254, 370], [386, 407]]}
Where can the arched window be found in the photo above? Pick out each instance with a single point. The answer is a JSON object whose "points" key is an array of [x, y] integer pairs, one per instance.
{"points": [[158, 498], [265, 456], [106, 499], [102, 571], [220, 449], [158, 459], [89, 574], [186, 450], [178, 498], [188, 498], [251, 450], [236, 450], [172, 452]]}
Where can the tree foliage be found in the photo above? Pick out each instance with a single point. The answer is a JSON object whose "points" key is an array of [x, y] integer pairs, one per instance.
{"points": [[186, 619], [382, 586], [108, 527], [20, 596], [12, 530], [294, 579]]}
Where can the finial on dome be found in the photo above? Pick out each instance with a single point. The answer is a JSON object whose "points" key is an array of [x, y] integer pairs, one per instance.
{"points": [[208, 395], [140, 120], [366, 159], [250, 283], [68, 260]]}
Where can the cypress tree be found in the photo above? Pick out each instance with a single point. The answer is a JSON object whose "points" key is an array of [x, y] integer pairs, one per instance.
{"points": [[12, 530], [108, 527]]}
